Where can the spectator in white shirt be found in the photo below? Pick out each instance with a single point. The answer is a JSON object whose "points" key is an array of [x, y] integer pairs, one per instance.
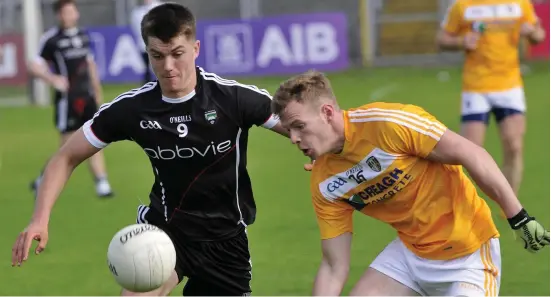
{"points": [[135, 21]]}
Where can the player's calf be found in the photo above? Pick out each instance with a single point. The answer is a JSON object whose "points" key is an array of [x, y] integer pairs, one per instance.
{"points": [[512, 129]]}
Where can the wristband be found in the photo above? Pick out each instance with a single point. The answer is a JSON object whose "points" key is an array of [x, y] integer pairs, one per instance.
{"points": [[520, 219]]}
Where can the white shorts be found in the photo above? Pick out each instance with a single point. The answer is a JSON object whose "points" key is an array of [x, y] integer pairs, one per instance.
{"points": [[477, 106], [477, 274]]}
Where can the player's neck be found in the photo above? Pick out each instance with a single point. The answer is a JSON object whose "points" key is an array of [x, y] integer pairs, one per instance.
{"points": [[339, 129], [184, 92]]}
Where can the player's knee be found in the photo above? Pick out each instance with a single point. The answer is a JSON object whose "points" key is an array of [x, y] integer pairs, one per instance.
{"points": [[512, 147]]}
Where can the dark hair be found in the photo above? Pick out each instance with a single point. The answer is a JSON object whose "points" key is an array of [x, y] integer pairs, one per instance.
{"points": [[167, 21], [310, 86], [59, 4]]}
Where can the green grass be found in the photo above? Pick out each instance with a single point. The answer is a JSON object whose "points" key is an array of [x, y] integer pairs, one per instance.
{"points": [[284, 240]]}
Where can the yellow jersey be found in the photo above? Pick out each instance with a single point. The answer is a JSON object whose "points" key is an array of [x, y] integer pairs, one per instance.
{"points": [[494, 65], [382, 172]]}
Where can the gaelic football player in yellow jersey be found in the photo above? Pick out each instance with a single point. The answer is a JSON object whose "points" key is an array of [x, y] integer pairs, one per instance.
{"points": [[489, 32], [400, 165]]}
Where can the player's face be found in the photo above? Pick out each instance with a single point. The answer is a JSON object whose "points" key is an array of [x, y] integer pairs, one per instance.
{"points": [[68, 15], [174, 64], [310, 127]]}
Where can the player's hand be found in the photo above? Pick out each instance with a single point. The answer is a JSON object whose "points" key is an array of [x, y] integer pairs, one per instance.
{"points": [[531, 232], [533, 32], [22, 246], [60, 83], [470, 41], [527, 29], [309, 166]]}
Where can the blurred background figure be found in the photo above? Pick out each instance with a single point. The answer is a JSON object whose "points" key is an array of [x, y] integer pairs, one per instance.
{"points": [[492, 80], [65, 48], [136, 17]]}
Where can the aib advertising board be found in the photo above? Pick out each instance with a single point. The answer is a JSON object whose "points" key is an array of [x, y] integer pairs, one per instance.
{"points": [[13, 69], [284, 44], [273, 45]]}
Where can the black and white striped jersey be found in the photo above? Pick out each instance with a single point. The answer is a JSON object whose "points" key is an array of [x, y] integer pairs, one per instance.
{"points": [[67, 51], [197, 146]]}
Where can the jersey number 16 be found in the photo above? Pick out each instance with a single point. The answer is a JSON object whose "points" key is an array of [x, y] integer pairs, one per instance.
{"points": [[358, 177]]}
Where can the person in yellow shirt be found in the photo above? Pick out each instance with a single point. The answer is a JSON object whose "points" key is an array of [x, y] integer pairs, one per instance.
{"points": [[397, 163], [489, 31]]}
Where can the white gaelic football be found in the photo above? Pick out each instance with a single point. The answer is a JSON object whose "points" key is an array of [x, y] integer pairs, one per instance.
{"points": [[141, 257]]}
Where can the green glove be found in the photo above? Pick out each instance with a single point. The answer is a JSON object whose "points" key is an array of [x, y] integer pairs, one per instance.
{"points": [[534, 235]]}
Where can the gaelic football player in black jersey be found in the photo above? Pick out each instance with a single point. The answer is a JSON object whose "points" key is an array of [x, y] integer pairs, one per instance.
{"points": [[193, 126], [66, 49]]}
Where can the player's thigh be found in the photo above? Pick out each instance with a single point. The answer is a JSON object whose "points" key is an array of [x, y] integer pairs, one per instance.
{"points": [[164, 290], [509, 108], [475, 131], [476, 274], [388, 274], [376, 283], [63, 137], [475, 113]]}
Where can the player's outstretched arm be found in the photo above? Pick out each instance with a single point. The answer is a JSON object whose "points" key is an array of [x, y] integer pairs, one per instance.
{"points": [[57, 172], [334, 267], [454, 149]]}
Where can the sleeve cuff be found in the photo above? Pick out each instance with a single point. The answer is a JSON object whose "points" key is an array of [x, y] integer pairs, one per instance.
{"points": [[91, 137], [271, 122]]}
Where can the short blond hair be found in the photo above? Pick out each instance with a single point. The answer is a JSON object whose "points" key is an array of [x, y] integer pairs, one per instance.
{"points": [[310, 86]]}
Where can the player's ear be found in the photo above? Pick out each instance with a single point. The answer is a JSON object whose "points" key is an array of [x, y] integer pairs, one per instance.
{"points": [[196, 48], [327, 111]]}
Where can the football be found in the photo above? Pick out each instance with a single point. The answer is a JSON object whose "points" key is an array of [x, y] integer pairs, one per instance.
{"points": [[141, 257]]}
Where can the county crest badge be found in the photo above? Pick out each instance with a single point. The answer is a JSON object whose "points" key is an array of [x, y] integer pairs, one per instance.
{"points": [[374, 164], [211, 116]]}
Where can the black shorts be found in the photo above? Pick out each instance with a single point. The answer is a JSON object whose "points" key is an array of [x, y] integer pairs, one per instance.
{"points": [[213, 268], [70, 113]]}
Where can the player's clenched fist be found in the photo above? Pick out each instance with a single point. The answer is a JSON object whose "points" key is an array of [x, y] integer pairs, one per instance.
{"points": [[20, 250], [531, 232]]}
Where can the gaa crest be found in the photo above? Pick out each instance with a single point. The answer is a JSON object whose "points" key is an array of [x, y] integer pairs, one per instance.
{"points": [[374, 164]]}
